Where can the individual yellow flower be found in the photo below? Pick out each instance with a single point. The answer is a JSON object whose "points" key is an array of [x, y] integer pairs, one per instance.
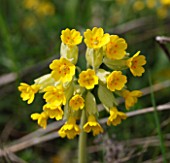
{"points": [[131, 97], [96, 38], [71, 37], [53, 111], [115, 117], [92, 125], [135, 64], [55, 95], [88, 79], [151, 3], [138, 5], [116, 81], [45, 9], [115, 49], [162, 12], [42, 118], [62, 70], [121, 2], [69, 129], [31, 4], [28, 92], [165, 2], [76, 102]]}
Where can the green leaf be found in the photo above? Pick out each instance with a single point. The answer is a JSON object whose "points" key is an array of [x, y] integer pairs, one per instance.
{"points": [[90, 104], [115, 64], [106, 96]]}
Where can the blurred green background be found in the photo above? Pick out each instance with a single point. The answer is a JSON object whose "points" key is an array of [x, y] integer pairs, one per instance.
{"points": [[30, 38]]}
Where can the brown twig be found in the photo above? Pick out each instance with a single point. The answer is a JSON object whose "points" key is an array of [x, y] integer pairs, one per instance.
{"points": [[25, 143], [142, 111], [162, 41], [131, 25], [36, 136], [12, 77]]}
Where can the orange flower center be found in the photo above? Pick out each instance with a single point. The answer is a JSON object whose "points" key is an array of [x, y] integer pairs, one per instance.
{"points": [[64, 69]]}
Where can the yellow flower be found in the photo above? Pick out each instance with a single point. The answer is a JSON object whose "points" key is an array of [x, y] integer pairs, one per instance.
{"points": [[28, 92], [45, 9], [96, 38], [138, 5], [131, 97], [88, 79], [162, 12], [165, 2], [151, 3], [121, 2], [92, 125], [53, 111], [31, 4], [42, 118], [135, 64], [76, 102], [115, 117], [115, 49], [71, 37], [55, 95], [69, 129], [116, 81], [62, 70]]}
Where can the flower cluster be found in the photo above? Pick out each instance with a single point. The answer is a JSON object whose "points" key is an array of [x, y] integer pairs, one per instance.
{"points": [[67, 90], [41, 8], [158, 7], [37, 9]]}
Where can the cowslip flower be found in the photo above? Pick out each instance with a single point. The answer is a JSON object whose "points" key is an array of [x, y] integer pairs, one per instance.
{"points": [[42, 118], [31, 4], [71, 37], [62, 70], [131, 97], [138, 5], [115, 117], [116, 81], [92, 125], [28, 91], [151, 3], [88, 79], [115, 49], [162, 12], [45, 9], [55, 95], [53, 111], [69, 129], [96, 38], [76, 102], [135, 64], [165, 2]]}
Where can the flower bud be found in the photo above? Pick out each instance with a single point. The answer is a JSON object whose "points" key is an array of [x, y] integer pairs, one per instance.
{"points": [[70, 53], [94, 57], [44, 81]]}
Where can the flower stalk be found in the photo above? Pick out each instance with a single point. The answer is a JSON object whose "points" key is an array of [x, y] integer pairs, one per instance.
{"points": [[82, 148]]}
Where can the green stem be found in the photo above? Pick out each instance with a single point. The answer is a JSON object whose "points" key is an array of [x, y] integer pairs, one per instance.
{"points": [[82, 151], [162, 146]]}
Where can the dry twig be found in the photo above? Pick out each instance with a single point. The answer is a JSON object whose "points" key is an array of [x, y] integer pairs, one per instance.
{"points": [[162, 41], [30, 141]]}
